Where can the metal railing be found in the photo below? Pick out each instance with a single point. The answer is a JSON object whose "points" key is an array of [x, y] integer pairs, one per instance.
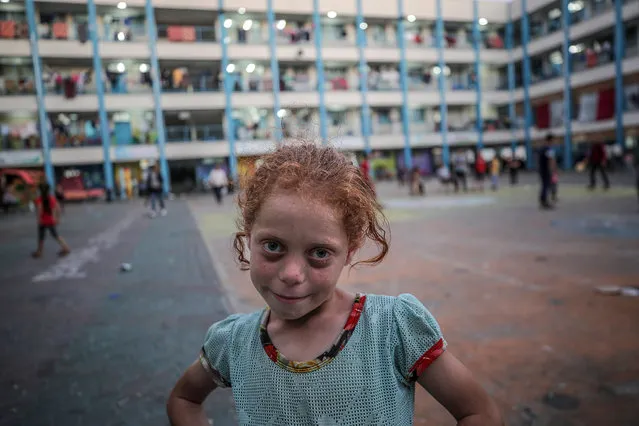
{"points": [[202, 133]]}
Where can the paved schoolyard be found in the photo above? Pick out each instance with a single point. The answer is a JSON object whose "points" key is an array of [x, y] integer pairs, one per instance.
{"points": [[512, 287], [83, 343]]}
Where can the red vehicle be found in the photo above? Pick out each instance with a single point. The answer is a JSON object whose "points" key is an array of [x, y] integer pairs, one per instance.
{"points": [[22, 183], [74, 189]]}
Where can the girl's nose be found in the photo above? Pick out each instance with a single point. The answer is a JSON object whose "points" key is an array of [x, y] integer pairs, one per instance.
{"points": [[292, 271]]}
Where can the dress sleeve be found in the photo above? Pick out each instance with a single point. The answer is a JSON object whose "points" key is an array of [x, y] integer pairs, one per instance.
{"points": [[215, 356], [419, 340]]}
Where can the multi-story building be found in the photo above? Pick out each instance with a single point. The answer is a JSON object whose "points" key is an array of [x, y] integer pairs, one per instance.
{"points": [[104, 86]]}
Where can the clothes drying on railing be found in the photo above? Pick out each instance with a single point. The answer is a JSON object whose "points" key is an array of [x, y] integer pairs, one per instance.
{"points": [[632, 97], [179, 33], [7, 29], [494, 41], [338, 83], [597, 106], [60, 30]]}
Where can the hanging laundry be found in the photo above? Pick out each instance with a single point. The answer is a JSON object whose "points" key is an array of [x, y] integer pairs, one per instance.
{"points": [[60, 30], [7, 29], [69, 88], [83, 32], [606, 104]]}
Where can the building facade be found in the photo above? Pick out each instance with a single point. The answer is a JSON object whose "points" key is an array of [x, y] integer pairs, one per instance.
{"points": [[106, 86]]}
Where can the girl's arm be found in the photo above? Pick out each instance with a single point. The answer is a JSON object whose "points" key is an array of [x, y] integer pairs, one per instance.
{"points": [[184, 406], [57, 211], [453, 385], [38, 211]]}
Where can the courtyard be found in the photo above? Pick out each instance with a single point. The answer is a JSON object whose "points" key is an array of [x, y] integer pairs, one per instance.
{"points": [[513, 288]]}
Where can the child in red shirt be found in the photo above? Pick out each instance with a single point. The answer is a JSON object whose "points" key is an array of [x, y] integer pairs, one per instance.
{"points": [[48, 212]]}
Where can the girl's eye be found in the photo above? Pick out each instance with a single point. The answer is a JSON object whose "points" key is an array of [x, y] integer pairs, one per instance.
{"points": [[272, 246], [320, 253]]}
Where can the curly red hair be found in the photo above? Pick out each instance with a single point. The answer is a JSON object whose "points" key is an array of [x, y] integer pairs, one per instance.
{"points": [[323, 173]]}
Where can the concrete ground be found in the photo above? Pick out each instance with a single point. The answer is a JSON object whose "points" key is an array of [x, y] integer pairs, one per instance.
{"points": [[512, 287]]}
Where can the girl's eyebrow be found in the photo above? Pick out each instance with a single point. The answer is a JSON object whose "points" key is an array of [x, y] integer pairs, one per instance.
{"points": [[325, 242]]}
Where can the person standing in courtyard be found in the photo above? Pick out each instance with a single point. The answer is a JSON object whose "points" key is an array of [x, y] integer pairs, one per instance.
{"points": [[495, 170], [461, 170], [218, 181], [365, 170], [48, 214], [513, 170], [480, 171], [547, 167], [155, 189], [319, 354], [598, 161]]}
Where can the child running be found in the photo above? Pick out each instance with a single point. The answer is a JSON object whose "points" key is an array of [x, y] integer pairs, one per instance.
{"points": [[317, 354], [48, 213]]}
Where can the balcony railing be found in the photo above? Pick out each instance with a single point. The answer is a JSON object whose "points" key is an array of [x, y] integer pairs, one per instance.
{"points": [[12, 29], [202, 133], [187, 33]]}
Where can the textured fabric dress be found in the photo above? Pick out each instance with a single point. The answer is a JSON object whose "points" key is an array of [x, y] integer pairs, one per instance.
{"points": [[366, 378]]}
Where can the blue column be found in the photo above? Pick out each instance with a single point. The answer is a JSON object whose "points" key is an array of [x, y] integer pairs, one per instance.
{"points": [[42, 113], [152, 33], [275, 68], [511, 81], [403, 80], [98, 73], [620, 42], [565, 18], [363, 78], [441, 78], [228, 88], [525, 36], [477, 41], [319, 64]]}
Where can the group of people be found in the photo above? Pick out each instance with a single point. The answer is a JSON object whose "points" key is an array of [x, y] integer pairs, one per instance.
{"points": [[458, 171], [597, 162]]}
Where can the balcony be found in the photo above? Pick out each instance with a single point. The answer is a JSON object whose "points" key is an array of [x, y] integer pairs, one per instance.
{"points": [[598, 20], [197, 133]]}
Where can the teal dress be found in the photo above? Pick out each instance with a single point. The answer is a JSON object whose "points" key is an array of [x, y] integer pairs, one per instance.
{"points": [[366, 378]]}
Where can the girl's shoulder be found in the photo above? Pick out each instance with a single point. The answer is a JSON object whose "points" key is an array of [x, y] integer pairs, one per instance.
{"points": [[401, 302], [404, 311], [229, 327], [410, 328]]}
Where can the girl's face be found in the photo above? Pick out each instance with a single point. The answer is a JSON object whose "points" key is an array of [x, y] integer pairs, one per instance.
{"points": [[298, 250]]}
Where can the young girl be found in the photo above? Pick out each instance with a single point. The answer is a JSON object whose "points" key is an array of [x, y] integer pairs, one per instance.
{"points": [[48, 213], [319, 355]]}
